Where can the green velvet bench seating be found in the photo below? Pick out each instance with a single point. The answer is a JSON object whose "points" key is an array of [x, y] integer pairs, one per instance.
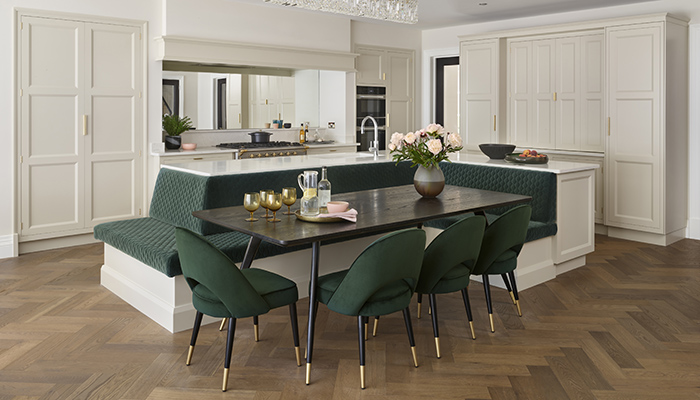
{"points": [[151, 240], [143, 268]]}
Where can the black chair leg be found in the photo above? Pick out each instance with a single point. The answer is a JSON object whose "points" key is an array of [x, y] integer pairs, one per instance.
{"points": [[361, 341], [376, 322], [229, 350], [510, 291], [511, 275], [195, 332], [436, 333], [256, 330], [468, 308], [295, 331], [409, 330], [420, 303], [487, 292]]}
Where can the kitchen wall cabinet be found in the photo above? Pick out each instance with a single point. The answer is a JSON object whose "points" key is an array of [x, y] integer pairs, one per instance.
{"points": [[80, 126], [646, 162], [482, 92], [556, 92], [393, 69], [611, 92], [271, 97]]}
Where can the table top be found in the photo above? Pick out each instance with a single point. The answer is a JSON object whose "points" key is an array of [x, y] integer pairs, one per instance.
{"points": [[378, 210]]}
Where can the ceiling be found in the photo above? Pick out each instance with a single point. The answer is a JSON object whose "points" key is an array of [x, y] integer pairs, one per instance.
{"points": [[441, 13]]}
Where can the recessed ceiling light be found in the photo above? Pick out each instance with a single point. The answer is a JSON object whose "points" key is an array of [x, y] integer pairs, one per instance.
{"points": [[483, 4]]}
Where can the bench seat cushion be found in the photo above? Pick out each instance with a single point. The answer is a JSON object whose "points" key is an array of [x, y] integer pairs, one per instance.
{"points": [[535, 230], [153, 243]]}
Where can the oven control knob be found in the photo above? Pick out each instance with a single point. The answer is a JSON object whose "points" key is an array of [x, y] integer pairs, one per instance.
{"points": [[260, 155], [267, 154], [295, 153], [274, 154], [252, 156], [287, 153]]}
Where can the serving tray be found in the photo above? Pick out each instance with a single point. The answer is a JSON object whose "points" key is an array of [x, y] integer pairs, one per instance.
{"points": [[513, 158], [318, 219]]}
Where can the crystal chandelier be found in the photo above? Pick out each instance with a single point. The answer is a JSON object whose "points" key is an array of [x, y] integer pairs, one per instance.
{"points": [[404, 11]]}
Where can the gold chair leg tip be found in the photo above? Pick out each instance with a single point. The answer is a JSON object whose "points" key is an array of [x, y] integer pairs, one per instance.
{"points": [[225, 385], [362, 377], [471, 327], [517, 304], [189, 355], [491, 322], [437, 347], [298, 355], [415, 359], [308, 373]]}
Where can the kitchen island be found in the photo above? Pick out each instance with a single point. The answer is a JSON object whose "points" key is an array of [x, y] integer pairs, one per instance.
{"points": [[562, 192]]}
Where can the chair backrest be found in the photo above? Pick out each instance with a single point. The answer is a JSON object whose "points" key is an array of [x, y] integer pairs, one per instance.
{"points": [[204, 264], [460, 243], [393, 257], [507, 232]]}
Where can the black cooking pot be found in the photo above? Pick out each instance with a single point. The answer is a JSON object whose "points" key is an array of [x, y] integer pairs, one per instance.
{"points": [[260, 137]]}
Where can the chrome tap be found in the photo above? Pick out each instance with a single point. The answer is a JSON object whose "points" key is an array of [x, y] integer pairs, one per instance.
{"points": [[374, 145]]}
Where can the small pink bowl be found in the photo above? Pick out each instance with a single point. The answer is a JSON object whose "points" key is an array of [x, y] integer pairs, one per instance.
{"points": [[336, 206], [189, 146]]}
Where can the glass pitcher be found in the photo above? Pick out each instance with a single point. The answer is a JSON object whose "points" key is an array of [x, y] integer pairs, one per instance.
{"points": [[308, 182]]}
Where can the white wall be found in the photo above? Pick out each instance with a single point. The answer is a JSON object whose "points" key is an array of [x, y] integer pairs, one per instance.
{"points": [[398, 36], [145, 10], [332, 107], [252, 23], [435, 41]]}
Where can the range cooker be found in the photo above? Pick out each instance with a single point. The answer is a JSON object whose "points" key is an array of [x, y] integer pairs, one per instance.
{"points": [[269, 149]]}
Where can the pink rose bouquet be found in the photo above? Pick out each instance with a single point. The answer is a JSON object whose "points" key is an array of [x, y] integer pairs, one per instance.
{"points": [[426, 147]]}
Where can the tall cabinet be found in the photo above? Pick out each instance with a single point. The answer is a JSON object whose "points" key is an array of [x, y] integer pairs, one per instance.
{"points": [[611, 92], [393, 69], [80, 125], [482, 92], [647, 120]]}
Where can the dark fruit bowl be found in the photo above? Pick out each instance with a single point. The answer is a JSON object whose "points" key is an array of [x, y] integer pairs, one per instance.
{"points": [[516, 159], [496, 151]]}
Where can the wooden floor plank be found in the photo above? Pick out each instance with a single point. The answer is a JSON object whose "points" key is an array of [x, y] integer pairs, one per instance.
{"points": [[625, 326]]}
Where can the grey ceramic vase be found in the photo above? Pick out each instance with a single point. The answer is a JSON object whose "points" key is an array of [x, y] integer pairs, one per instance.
{"points": [[429, 182], [172, 142]]}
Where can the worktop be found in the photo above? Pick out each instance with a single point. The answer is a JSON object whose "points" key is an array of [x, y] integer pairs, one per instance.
{"points": [[232, 167], [207, 150]]}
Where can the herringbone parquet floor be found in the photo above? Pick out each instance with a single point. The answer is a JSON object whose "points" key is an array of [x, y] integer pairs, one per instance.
{"points": [[625, 326]]}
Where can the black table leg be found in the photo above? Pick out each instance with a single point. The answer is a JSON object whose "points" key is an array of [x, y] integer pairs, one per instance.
{"points": [[315, 255], [250, 252]]}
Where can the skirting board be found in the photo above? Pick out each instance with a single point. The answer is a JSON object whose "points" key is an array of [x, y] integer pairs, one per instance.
{"points": [[9, 246], [646, 237]]}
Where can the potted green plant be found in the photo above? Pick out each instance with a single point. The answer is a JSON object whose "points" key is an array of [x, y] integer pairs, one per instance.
{"points": [[173, 126]]}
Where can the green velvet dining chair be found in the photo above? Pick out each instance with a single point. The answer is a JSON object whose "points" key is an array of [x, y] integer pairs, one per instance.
{"points": [[503, 240], [221, 290], [447, 265], [380, 281]]}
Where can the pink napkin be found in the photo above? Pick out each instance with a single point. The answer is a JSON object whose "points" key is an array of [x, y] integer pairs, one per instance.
{"points": [[348, 215]]}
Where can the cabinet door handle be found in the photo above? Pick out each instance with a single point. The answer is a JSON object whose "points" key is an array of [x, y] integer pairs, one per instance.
{"points": [[494, 123], [608, 126], [239, 118], [84, 125], [198, 158], [555, 96], [387, 120], [383, 76]]}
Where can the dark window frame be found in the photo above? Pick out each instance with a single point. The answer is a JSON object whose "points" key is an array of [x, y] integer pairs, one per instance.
{"points": [[440, 64], [175, 83]]}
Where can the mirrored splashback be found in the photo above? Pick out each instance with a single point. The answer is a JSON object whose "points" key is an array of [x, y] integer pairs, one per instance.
{"points": [[230, 97]]}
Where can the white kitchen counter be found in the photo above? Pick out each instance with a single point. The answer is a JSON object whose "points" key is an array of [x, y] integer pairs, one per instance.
{"points": [[232, 167], [205, 150]]}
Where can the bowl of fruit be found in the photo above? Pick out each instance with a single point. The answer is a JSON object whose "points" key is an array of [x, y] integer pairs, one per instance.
{"points": [[527, 157]]}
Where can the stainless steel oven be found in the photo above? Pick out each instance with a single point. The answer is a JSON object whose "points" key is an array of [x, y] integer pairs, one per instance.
{"points": [[371, 101]]}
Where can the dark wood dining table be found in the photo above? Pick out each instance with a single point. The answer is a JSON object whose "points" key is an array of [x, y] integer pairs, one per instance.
{"points": [[379, 210]]}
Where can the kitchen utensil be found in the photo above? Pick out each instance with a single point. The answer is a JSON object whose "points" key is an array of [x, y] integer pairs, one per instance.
{"points": [[289, 197], [251, 202], [260, 137], [308, 182]]}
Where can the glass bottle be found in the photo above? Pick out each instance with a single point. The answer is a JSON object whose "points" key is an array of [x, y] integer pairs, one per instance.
{"points": [[324, 188], [302, 134]]}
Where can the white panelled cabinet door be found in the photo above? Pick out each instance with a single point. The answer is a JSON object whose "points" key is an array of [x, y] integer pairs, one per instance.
{"points": [[568, 96], [112, 138], [234, 104], [479, 92], [520, 93], [80, 125], [544, 81], [370, 66], [634, 149], [52, 146], [592, 119]]}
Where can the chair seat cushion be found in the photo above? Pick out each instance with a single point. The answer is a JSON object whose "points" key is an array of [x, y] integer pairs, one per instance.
{"points": [[276, 290], [391, 298], [535, 229], [506, 262], [454, 280]]}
